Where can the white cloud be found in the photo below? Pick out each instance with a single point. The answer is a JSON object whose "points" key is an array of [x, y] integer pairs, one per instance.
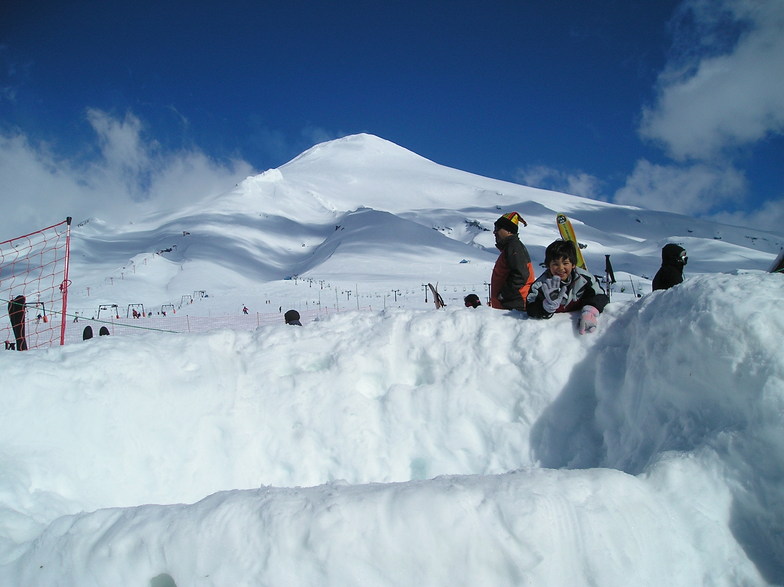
{"points": [[711, 98], [770, 216], [694, 189], [130, 170], [721, 94], [120, 141], [576, 183]]}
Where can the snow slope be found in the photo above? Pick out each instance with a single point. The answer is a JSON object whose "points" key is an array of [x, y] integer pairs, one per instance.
{"points": [[362, 210], [402, 445]]}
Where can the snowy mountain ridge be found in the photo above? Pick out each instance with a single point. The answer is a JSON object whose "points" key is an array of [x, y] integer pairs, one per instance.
{"points": [[312, 217]]}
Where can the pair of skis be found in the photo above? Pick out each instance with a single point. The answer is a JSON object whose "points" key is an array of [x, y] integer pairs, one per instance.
{"points": [[437, 299]]}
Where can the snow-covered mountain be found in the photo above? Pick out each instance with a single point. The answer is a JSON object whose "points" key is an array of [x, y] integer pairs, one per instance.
{"points": [[389, 443], [364, 210]]}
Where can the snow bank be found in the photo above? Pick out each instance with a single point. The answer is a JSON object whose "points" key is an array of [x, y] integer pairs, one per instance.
{"points": [[408, 447]]}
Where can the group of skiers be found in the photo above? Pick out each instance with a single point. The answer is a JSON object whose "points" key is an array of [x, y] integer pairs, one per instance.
{"points": [[563, 286]]}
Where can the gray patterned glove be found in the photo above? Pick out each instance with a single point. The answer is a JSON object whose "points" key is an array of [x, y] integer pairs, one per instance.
{"points": [[554, 293]]}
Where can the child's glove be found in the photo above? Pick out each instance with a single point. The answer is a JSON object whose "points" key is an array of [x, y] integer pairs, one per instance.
{"points": [[554, 292], [589, 319]]}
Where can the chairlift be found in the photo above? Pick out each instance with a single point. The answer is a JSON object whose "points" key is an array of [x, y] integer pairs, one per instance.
{"points": [[114, 307], [42, 313], [132, 307]]}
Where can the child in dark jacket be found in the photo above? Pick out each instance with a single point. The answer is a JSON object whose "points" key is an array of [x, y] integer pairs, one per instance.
{"points": [[671, 271], [564, 287]]}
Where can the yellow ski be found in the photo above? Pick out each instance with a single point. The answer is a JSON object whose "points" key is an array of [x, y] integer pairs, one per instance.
{"points": [[567, 233]]}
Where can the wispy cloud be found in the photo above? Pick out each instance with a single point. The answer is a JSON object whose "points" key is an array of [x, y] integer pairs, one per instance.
{"points": [[315, 134], [692, 190], [282, 146], [577, 183], [13, 74], [129, 174], [769, 216]]}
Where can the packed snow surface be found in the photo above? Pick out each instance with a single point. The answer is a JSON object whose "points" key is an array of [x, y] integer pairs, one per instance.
{"points": [[404, 447]]}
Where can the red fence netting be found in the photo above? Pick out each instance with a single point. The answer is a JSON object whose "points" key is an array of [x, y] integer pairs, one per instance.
{"points": [[34, 287]]}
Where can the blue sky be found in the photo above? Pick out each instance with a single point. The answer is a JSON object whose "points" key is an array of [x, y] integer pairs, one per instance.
{"points": [[674, 105]]}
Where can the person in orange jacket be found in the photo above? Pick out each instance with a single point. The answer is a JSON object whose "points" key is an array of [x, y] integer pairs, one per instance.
{"points": [[513, 272]]}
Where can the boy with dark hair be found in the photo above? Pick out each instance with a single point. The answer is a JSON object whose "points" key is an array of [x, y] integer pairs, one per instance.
{"points": [[513, 273], [564, 287], [292, 318], [472, 301]]}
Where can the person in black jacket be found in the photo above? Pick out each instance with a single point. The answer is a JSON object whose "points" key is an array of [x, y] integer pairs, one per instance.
{"points": [[671, 272], [292, 318]]}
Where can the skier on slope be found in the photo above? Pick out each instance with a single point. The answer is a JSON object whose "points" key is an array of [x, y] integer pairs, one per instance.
{"points": [[671, 272], [565, 287], [513, 272]]}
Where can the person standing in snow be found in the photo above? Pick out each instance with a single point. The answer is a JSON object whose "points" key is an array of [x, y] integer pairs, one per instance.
{"points": [[564, 287], [513, 272], [671, 271]]}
